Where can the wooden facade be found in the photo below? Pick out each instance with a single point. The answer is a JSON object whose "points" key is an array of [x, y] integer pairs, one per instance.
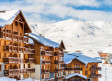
{"points": [[15, 51], [50, 60], [76, 66]]}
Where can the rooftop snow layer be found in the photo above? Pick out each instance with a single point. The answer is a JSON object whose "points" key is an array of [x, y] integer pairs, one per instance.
{"points": [[80, 56], [7, 17], [75, 74], [43, 40]]}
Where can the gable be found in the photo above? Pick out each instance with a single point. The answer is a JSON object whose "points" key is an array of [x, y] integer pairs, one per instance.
{"points": [[76, 61], [21, 19], [62, 46]]}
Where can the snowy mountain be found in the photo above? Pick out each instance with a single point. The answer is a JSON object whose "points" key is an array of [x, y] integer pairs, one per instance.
{"points": [[87, 36]]}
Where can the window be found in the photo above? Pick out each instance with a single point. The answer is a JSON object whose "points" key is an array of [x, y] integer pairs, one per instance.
{"points": [[4, 42], [4, 54], [86, 72], [0, 67], [16, 23], [5, 66], [28, 65]]}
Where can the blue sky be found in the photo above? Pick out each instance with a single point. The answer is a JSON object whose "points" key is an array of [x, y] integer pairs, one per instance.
{"points": [[50, 11]]}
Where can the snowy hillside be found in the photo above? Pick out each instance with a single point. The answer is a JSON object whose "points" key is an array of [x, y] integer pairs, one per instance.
{"points": [[87, 36]]}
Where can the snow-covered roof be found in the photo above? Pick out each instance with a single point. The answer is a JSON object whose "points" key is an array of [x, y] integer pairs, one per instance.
{"points": [[75, 74], [43, 40], [80, 56], [7, 17]]}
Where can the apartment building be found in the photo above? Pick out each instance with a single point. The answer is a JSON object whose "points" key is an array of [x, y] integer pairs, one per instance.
{"points": [[16, 52], [79, 67], [49, 58], [106, 58]]}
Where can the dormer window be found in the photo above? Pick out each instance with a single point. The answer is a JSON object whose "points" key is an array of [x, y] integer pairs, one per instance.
{"points": [[16, 23]]}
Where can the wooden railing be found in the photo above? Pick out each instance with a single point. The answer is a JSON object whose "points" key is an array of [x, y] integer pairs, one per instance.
{"points": [[46, 61], [15, 72], [12, 48], [9, 60], [72, 68], [47, 53], [29, 51], [97, 68], [95, 75], [43, 71], [29, 60]]}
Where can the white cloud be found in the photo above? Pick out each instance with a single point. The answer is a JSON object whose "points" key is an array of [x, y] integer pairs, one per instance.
{"points": [[58, 8]]}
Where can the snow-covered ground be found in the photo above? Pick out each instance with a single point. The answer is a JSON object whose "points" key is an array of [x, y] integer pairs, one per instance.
{"points": [[11, 79], [108, 71], [29, 79]]}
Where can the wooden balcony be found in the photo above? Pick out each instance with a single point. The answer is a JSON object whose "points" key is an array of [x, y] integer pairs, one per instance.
{"points": [[10, 60], [73, 68], [97, 68], [29, 51], [15, 37], [47, 53], [12, 72], [16, 72], [58, 69], [25, 39], [29, 60], [61, 54], [7, 48], [46, 61], [30, 70], [43, 71], [5, 35], [95, 75], [61, 62]]}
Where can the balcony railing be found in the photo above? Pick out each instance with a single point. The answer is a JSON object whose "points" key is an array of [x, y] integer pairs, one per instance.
{"points": [[16, 72], [29, 60], [97, 68], [5, 35], [95, 75], [58, 69], [29, 51], [12, 60], [30, 70], [61, 62], [72, 68], [61, 54], [43, 71], [11, 48], [47, 53], [11, 72], [46, 61]]}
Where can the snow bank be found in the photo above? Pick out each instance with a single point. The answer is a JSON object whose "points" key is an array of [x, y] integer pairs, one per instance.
{"points": [[7, 79], [29, 79]]}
